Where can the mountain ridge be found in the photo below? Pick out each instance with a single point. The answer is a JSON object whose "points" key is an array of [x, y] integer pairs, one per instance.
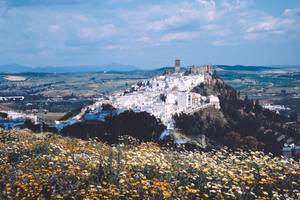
{"points": [[114, 67], [16, 68]]}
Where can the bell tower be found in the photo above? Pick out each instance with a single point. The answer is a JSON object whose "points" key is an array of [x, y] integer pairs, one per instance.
{"points": [[177, 66]]}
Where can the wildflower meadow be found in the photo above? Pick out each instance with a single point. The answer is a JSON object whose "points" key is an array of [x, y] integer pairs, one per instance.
{"points": [[49, 166]]}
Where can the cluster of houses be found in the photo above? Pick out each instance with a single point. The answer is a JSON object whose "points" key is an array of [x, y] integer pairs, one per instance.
{"points": [[11, 119], [162, 96], [12, 98], [291, 151], [276, 108]]}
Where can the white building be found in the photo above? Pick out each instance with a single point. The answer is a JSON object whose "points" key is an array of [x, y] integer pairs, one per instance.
{"points": [[214, 100], [15, 119], [189, 99]]}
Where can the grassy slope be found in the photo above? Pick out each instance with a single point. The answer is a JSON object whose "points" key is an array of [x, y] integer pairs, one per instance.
{"points": [[51, 166]]}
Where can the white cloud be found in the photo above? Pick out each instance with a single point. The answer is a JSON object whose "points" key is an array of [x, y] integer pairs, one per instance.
{"points": [[95, 33], [267, 24], [178, 16], [208, 27], [292, 12], [54, 28], [214, 20], [218, 43], [144, 39], [207, 3], [182, 14], [210, 11], [231, 5], [287, 23], [112, 47], [273, 25], [160, 25], [177, 36]]}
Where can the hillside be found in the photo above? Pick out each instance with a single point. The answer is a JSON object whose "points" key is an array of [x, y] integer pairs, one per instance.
{"points": [[240, 123], [49, 166], [149, 109]]}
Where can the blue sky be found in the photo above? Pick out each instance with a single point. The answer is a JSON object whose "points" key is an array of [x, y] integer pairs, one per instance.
{"points": [[149, 33]]}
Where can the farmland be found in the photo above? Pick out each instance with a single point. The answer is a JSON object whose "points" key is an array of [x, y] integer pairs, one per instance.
{"points": [[65, 92], [60, 93]]}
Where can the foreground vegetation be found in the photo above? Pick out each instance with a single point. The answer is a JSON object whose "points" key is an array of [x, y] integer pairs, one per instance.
{"points": [[49, 166]]}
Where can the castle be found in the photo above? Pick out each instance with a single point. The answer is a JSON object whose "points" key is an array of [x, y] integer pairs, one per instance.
{"points": [[206, 70]]}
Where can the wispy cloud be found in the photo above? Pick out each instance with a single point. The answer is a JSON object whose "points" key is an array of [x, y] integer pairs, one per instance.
{"points": [[112, 47], [184, 13], [55, 27], [218, 43], [95, 33], [287, 23], [179, 18], [169, 37], [292, 12]]}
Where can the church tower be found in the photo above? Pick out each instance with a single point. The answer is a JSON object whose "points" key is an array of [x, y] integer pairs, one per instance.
{"points": [[177, 66]]}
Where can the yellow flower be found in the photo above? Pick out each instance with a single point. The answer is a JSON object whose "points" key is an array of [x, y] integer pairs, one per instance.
{"points": [[116, 193], [166, 194], [82, 192], [145, 187], [59, 196], [192, 190]]}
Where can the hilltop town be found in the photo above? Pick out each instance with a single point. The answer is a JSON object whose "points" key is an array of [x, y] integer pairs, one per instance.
{"points": [[190, 105], [162, 96]]}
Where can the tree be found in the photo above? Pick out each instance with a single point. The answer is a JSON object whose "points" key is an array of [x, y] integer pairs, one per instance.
{"points": [[140, 125], [232, 139], [294, 117], [3, 115], [249, 124], [257, 107], [250, 142], [249, 104]]}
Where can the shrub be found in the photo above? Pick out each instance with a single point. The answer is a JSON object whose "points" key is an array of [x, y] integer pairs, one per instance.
{"points": [[41, 149], [14, 157]]}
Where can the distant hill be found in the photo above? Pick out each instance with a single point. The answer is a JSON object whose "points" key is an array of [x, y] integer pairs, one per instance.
{"points": [[114, 67], [15, 68], [245, 68]]}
